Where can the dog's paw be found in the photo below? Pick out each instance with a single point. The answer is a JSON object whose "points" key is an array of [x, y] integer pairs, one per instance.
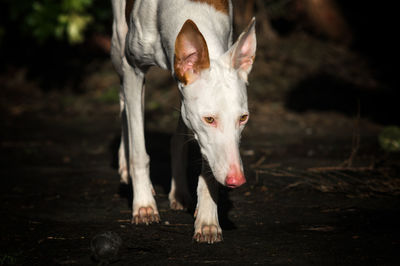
{"points": [[208, 233], [145, 215], [175, 205], [123, 173], [179, 202]]}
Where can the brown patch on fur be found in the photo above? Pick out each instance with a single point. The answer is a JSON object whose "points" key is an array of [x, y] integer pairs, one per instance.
{"points": [[219, 5], [190, 37], [128, 9]]}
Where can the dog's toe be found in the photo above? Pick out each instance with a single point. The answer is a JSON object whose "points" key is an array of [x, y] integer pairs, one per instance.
{"points": [[208, 234], [146, 215]]}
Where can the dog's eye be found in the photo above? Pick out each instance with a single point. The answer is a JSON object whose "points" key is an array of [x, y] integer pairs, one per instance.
{"points": [[243, 118], [209, 119]]}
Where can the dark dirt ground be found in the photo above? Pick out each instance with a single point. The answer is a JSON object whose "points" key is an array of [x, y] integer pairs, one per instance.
{"points": [[59, 185]]}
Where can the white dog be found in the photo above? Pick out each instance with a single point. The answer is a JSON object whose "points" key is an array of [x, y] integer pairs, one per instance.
{"points": [[192, 38]]}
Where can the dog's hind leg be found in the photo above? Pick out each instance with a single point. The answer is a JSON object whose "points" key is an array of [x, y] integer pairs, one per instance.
{"points": [[178, 196], [123, 149], [120, 29]]}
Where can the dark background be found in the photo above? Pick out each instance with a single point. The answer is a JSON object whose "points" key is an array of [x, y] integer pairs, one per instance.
{"points": [[321, 187]]}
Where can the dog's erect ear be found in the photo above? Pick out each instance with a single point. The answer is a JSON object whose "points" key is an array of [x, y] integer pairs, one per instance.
{"points": [[191, 53], [243, 51]]}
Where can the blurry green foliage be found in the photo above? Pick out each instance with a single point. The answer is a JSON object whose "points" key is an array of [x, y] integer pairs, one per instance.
{"points": [[57, 19], [389, 138]]}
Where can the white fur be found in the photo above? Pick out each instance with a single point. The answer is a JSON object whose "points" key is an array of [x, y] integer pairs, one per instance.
{"points": [[219, 92]]}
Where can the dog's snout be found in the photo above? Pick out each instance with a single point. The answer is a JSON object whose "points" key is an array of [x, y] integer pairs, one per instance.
{"points": [[235, 177]]}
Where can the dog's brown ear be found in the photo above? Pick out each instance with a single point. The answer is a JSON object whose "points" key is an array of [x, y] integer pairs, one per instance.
{"points": [[243, 51], [191, 53]]}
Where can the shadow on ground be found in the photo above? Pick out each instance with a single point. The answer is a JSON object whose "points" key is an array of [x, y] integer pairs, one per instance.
{"points": [[158, 148]]}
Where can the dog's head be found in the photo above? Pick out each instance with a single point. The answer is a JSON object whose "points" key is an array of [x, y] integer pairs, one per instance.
{"points": [[214, 104]]}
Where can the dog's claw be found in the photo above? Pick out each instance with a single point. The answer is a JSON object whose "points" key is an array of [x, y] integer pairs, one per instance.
{"points": [[146, 215], [208, 234]]}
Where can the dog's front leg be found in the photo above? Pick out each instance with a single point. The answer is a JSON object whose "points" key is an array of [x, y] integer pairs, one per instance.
{"points": [[206, 226], [144, 205]]}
